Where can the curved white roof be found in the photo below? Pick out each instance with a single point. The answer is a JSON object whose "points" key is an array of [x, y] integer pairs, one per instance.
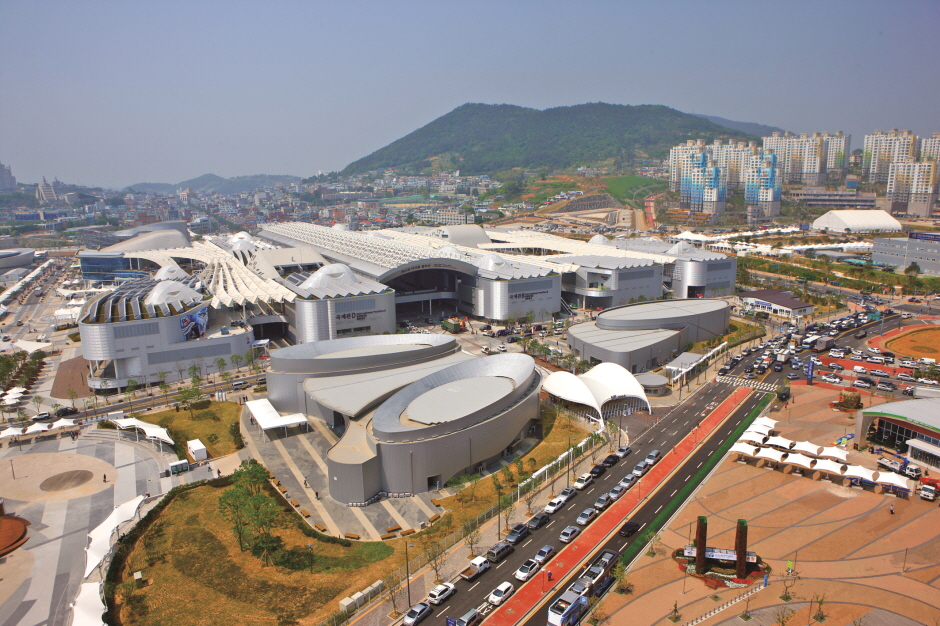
{"points": [[169, 272], [599, 240], [242, 236], [603, 383], [334, 277], [857, 221], [492, 262], [172, 292]]}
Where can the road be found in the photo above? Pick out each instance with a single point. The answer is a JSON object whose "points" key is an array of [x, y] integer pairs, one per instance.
{"points": [[662, 436]]}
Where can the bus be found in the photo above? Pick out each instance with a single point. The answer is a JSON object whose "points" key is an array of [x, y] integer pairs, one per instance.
{"points": [[568, 609]]}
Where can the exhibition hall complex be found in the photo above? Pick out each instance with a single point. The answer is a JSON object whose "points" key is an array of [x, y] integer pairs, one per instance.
{"points": [[413, 409]]}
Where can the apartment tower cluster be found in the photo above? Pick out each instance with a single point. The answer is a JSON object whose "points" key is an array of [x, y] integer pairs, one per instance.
{"points": [[908, 164]]}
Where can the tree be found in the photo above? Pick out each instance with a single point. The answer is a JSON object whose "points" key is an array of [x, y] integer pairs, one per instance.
{"points": [[233, 505], [788, 583], [436, 555], [72, 394], [22, 416], [226, 377], [220, 364], [651, 537], [193, 370], [507, 474], [471, 536], [188, 397], [783, 616], [250, 476], [819, 599], [55, 408], [130, 390], [508, 508], [393, 591], [520, 467], [912, 271], [180, 368], [37, 400], [236, 360], [165, 390]]}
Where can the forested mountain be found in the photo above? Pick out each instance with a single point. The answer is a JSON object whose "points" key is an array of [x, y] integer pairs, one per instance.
{"points": [[751, 128], [486, 138], [210, 183]]}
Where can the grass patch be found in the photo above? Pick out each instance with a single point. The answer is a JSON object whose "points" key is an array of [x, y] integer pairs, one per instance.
{"points": [[75, 337], [212, 425], [633, 189], [200, 576]]}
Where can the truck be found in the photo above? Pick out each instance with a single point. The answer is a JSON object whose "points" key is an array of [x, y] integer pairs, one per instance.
{"points": [[823, 344], [927, 492], [477, 567], [452, 325], [901, 467]]}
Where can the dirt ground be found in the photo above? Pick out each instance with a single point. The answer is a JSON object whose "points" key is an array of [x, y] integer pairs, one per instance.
{"points": [[71, 375], [920, 343]]}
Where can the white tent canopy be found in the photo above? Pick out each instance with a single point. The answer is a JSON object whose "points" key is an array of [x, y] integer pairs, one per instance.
{"points": [[888, 478], [834, 453], [759, 428], [752, 437], [87, 607], [773, 455], [857, 471], [764, 421], [32, 346], [267, 417], [151, 431], [100, 537], [795, 458], [744, 448], [830, 467], [780, 442], [807, 447]]}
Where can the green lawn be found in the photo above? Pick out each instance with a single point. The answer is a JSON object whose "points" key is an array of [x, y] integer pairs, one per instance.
{"points": [[211, 425], [632, 189]]}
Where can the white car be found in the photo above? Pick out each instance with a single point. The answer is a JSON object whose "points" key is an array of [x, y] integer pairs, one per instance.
{"points": [[907, 316], [568, 534], [832, 378], [627, 481], [587, 516], [501, 348], [874, 350], [862, 384], [500, 594], [616, 492], [857, 352], [927, 381], [907, 377], [527, 570], [583, 481], [907, 363], [554, 505], [441, 593], [858, 369]]}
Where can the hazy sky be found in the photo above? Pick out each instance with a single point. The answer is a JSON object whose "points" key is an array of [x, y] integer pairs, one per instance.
{"points": [[114, 93]]}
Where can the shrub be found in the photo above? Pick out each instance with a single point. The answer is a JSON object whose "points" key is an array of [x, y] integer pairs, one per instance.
{"points": [[236, 435]]}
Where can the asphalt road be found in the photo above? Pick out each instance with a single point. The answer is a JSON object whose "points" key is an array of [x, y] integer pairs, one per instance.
{"points": [[662, 436]]}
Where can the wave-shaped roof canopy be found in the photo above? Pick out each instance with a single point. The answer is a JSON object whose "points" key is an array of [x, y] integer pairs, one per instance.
{"points": [[602, 384]]}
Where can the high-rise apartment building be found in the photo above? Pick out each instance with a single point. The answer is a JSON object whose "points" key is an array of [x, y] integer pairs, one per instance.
{"points": [[45, 192], [803, 158], [732, 158], [838, 151], [882, 149], [912, 187], [762, 187], [7, 182], [930, 148], [702, 188]]}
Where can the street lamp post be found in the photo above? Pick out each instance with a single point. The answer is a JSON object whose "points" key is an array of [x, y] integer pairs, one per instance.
{"points": [[408, 573]]}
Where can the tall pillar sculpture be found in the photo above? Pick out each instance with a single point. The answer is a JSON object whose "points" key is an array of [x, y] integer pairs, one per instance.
{"points": [[701, 538], [740, 547]]}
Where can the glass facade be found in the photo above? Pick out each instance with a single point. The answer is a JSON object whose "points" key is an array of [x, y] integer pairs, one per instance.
{"points": [[897, 434], [110, 269]]}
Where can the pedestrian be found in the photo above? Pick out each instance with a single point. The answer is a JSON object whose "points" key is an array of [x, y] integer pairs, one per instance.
{"points": [[305, 482], [105, 478], [219, 475], [892, 509], [316, 494]]}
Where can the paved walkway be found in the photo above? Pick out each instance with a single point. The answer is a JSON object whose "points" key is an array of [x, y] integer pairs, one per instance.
{"points": [[844, 541]]}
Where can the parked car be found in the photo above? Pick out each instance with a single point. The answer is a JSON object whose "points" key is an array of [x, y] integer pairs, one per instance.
{"points": [[66, 410], [597, 471], [499, 595], [602, 502], [441, 593], [927, 381], [554, 505], [538, 520], [832, 378], [587, 516], [583, 481], [527, 570], [907, 377], [627, 481], [616, 492], [568, 534], [623, 451], [862, 384], [417, 613], [517, 534], [567, 493], [544, 554], [610, 461], [628, 529]]}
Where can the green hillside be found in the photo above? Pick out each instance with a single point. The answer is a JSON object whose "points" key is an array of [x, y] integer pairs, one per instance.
{"points": [[210, 183], [487, 138]]}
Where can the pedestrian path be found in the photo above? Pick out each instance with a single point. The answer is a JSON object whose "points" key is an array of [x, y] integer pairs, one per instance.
{"points": [[753, 384]]}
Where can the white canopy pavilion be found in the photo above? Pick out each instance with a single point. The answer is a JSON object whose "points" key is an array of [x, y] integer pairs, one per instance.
{"points": [[830, 467], [893, 480], [267, 417], [795, 458], [780, 442], [857, 471], [752, 436], [834, 453], [765, 422], [744, 448], [151, 431], [772, 455], [807, 447], [87, 607], [100, 537]]}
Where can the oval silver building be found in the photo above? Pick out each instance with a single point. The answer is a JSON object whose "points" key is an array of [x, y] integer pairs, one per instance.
{"points": [[641, 337], [413, 410]]}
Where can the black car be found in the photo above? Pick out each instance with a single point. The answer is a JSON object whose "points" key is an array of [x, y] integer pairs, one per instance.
{"points": [[610, 461], [66, 410], [517, 534], [761, 369], [724, 371], [538, 521], [778, 366], [598, 470], [628, 529], [860, 334]]}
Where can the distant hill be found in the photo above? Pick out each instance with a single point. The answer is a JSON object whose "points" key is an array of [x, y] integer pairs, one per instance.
{"points": [[486, 138], [750, 128], [210, 183]]}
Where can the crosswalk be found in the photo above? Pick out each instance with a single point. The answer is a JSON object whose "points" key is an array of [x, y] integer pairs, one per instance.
{"points": [[753, 384]]}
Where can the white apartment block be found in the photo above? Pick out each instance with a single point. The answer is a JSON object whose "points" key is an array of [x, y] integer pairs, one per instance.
{"points": [[7, 182], [882, 149], [912, 187], [733, 159], [801, 158], [929, 149], [838, 150]]}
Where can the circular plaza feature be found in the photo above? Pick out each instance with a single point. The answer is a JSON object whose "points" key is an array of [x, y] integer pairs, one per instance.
{"points": [[922, 343], [66, 480]]}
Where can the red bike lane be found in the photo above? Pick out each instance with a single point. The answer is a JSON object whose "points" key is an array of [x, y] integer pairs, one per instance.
{"points": [[569, 558]]}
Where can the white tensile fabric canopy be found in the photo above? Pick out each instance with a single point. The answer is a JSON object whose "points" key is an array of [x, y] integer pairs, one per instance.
{"points": [[87, 607], [764, 421], [830, 467], [100, 537], [744, 448], [779, 442], [267, 417], [16, 389], [151, 431], [753, 437], [857, 471], [773, 455], [795, 458], [834, 453], [32, 346], [807, 447], [889, 478], [759, 428]]}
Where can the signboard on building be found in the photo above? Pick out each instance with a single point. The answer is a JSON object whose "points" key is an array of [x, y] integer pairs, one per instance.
{"points": [[924, 236], [720, 554], [194, 324]]}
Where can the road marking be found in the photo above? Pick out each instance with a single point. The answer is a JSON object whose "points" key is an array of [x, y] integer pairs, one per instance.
{"points": [[500, 565], [641, 527], [474, 585], [738, 422], [699, 465], [527, 543], [444, 610], [687, 478], [657, 510], [663, 444], [673, 434], [570, 507], [673, 493], [590, 490], [549, 524]]}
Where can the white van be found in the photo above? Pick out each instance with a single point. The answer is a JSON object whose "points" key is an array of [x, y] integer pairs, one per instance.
{"points": [[878, 360], [927, 361], [240, 384], [858, 369]]}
